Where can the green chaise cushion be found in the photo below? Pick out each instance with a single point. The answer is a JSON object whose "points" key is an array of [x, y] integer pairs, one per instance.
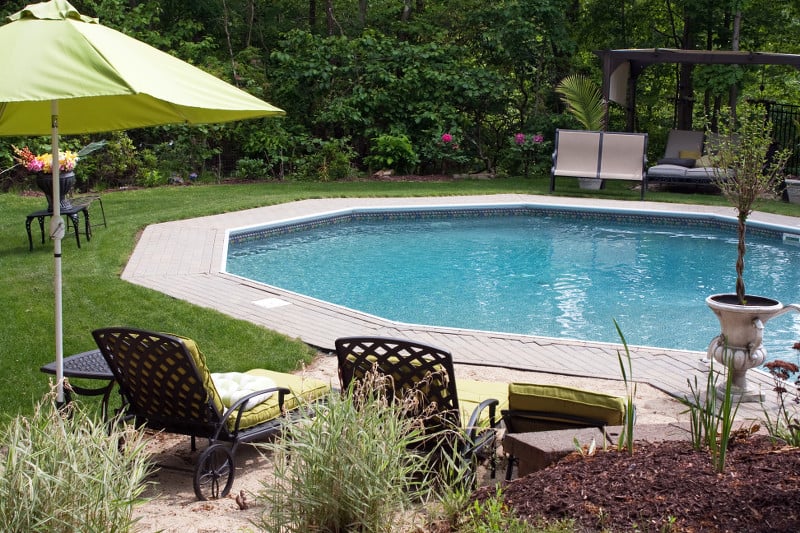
{"points": [[200, 362], [550, 401], [471, 393], [302, 389]]}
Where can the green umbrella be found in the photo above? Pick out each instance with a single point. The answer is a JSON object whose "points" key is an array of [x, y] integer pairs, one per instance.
{"points": [[64, 73]]}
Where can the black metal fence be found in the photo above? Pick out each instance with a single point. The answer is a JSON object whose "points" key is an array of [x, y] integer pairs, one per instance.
{"points": [[786, 122]]}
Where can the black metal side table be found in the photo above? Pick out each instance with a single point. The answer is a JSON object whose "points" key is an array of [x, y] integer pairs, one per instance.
{"points": [[78, 205], [88, 365]]}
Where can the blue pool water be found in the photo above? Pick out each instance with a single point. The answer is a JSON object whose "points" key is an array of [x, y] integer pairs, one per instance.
{"points": [[550, 274]]}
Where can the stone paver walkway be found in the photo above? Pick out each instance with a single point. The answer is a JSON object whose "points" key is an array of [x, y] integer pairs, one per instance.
{"points": [[184, 259]]}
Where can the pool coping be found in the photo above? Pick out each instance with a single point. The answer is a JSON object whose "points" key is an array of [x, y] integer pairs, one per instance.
{"points": [[184, 259]]}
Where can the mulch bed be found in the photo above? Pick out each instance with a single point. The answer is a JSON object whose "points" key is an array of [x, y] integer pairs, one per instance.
{"points": [[667, 486]]}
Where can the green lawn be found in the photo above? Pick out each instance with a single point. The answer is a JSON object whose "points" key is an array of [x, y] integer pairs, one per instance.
{"points": [[94, 296]]}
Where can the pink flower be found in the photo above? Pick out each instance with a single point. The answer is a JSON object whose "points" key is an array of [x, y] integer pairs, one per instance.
{"points": [[446, 138], [538, 138], [519, 138]]}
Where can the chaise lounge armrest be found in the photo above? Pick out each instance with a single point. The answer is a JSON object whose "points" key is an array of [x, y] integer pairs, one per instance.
{"points": [[479, 435], [239, 409]]}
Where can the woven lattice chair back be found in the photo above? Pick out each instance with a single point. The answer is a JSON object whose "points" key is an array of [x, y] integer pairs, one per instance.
{"points": [[417, 371], [164, 380]]}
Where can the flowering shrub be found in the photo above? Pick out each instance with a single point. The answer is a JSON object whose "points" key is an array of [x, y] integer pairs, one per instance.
{"points": [[529, 149], [443, 154], [44, 162]]}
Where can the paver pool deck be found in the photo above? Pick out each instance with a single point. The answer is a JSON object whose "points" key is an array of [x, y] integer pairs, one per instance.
{"points": [[184, 260]]}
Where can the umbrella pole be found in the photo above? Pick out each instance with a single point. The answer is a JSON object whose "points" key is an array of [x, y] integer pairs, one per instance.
{"points": [[56, 233]]}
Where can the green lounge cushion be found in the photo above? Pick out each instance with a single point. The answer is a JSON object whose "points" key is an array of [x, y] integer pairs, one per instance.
{"points": [[471, 393], [302, 389], [200, 362], [550, 401]]}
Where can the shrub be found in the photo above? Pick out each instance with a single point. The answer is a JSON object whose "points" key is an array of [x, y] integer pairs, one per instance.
{"points": [[153, 178], [331, 161], [247, 168], [444, 152], [393, 152], [118, 164], [61, 470]]}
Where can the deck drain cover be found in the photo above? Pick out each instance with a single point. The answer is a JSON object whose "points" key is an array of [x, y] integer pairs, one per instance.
{"points": [[271, 303]]}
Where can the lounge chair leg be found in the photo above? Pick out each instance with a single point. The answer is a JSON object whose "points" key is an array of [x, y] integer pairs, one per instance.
{"points": [[510, 467]]}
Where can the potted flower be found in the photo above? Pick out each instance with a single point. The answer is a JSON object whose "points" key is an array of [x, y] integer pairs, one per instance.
{"points": [[42, 167], [744, 172]]}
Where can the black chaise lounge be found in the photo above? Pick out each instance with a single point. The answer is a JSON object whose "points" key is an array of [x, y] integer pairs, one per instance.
{"points": [[166, 386]]}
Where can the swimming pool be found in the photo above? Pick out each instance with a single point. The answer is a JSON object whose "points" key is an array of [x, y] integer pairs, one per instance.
{"points": [[544, 271]]}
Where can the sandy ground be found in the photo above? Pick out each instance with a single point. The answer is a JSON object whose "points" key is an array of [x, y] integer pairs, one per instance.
{"points": [[172, 506]]}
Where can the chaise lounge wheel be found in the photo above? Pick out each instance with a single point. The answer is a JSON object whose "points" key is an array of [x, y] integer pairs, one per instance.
{"points": [[213, 476]]}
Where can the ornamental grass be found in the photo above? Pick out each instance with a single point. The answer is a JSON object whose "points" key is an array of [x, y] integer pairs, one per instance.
{"points": [[61, 470]]}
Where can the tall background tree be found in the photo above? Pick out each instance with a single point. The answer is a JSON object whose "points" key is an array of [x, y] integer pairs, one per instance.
{"points": [[358, 77]]}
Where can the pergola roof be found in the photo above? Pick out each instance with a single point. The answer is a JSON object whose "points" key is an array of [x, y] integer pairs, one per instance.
{"points": [[621, 68]]}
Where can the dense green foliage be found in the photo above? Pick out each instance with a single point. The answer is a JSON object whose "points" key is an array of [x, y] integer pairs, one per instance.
{"points": [[353, 75]]}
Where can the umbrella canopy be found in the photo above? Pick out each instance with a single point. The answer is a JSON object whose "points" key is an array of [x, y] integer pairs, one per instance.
{"points": [[64, 73], [103, 79]]}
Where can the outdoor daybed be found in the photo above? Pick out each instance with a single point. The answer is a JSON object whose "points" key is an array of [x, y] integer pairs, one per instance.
{"points": [[685, 160]]}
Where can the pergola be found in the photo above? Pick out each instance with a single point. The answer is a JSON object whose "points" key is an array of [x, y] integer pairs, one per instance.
{"points": [[621, 70]]}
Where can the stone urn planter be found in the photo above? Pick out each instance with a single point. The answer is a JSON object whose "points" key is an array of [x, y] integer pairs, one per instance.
{"points": [[66, 182], [793, 190], [739, 343]]}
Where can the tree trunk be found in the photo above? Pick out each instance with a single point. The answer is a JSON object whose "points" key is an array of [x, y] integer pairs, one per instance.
{"points": [[685, 91], [329, 16], [733, 94], [362, 13], [226, 24], [251, 16], [741, 249], [406, 13]]}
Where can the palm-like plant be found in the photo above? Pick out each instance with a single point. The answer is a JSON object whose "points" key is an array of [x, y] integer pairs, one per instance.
{"points": [[584, 101]]}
